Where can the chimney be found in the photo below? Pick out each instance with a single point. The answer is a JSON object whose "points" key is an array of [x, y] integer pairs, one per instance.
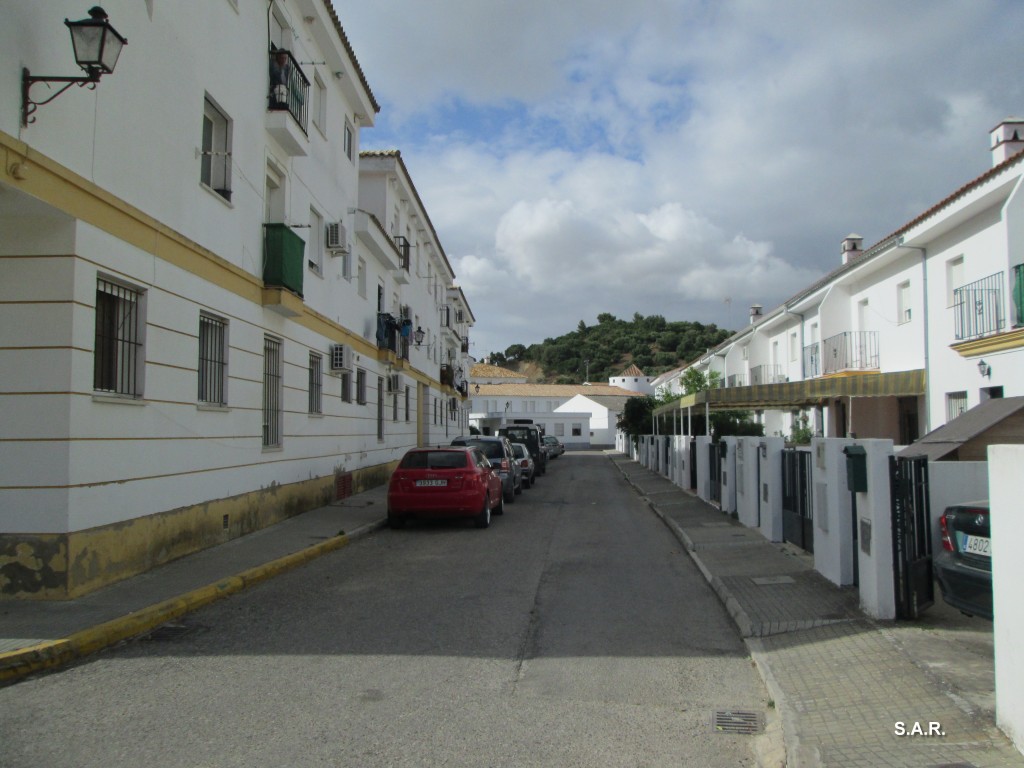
{"points": [[852, 247], [755, 313], [1007, 139]]}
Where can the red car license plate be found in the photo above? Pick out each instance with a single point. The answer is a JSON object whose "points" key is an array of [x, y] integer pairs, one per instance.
{"points": [[431, 483]]}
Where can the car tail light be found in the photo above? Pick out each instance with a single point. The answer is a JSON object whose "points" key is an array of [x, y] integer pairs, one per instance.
{"points": [[504, 464], [524, 464], [947, 541]]}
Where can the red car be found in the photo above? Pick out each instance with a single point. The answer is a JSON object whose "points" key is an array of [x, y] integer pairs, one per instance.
{"points": [[444, 482]]}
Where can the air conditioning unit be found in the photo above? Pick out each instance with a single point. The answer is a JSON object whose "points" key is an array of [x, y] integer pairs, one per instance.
{"points": [[341, 357], [394, 382], [337, 237]]}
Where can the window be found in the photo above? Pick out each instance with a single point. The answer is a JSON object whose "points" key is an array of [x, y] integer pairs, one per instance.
{"points": [[559, 429], [213, 361], [394, 405], [271, 392], [117, 358], [903, 302], [349, 141], [407, 398], [319, 108], [361, 387], [346, 387], [315, 246], [577, 430], [794, 345], [215, 166], [954, 278], [956, 404], [380, 408], [316, 382]]}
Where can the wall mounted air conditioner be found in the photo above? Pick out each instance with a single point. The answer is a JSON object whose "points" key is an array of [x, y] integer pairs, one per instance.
{"points": [[336, 238], [341, 357], [394, 382]]}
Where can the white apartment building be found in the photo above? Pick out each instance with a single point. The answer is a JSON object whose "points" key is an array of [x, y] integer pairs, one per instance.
{"points": [[204, 287], [902, 336]]}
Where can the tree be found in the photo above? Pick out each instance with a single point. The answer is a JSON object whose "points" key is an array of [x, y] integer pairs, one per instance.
{"points": [[635, 419], [515, 353], [606, 318]]}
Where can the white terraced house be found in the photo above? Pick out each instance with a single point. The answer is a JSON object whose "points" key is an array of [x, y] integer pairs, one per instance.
{"points": [[216, 311], [903, 336]]}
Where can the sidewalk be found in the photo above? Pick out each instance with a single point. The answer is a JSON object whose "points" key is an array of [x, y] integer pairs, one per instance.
{"points": [[35, 635], [840, 681]]}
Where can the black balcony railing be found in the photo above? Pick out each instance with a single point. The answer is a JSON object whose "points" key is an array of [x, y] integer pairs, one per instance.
{"points": [[403, 251], [289, 88], [447, 375], [389, 330], [812, 360], [850, 351], [978, 308]]}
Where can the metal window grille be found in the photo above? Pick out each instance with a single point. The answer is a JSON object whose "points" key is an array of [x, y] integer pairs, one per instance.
{"points": [[380, 408], [407, 396], [394, 406], [956, 405], [361, 387], [212, 360], [316, 378], [118, 354], [978, 308], [346, 387], [271, 392]]}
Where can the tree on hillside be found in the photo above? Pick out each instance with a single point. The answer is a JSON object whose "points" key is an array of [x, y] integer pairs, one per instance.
{"points": [[635, 419]]}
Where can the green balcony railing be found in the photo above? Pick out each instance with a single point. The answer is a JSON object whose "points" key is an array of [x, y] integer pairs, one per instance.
{"points": [[1018, 295], [283, 258]]}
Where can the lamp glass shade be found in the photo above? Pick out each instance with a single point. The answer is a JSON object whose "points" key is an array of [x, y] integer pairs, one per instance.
{"points": [[97, 44]]}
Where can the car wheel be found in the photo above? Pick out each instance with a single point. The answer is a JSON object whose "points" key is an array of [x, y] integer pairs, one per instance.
{"points": [[510, 496], [500, 509], [522, 484], [484, 518], [527, 482]]}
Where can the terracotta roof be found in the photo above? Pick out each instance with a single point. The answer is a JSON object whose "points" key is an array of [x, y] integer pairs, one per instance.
{"points": [[351, 53], [552, 390], [632, 371], [486, 371]]}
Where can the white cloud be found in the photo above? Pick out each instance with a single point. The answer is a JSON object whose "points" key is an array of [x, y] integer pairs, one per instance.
{"points": [[581, 156]]}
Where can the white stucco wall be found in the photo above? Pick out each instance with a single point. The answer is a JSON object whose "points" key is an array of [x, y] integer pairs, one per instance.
{"points": [[1007, 532]]}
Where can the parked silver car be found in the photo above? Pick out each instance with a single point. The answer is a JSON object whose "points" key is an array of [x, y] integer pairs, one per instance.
{"points": [[525, 461], [498, 451]]}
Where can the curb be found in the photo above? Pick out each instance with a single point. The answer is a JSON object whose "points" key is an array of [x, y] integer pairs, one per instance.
{"points": [[17, 664]]}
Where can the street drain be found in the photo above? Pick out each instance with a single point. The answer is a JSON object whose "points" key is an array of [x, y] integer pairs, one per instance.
{"points": [[169, 632], [737, 721]]}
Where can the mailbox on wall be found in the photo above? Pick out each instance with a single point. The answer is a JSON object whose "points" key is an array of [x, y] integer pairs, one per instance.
{"points": [[856, 468]]}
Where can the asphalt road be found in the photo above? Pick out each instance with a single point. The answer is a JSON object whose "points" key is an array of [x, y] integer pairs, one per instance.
{"points": [[572, 632]]}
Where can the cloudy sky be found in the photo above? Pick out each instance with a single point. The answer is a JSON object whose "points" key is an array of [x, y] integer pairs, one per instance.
{"points": [[678, 157]]}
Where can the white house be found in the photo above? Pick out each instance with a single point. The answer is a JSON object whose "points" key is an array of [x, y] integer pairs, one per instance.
{"points": [[204, 288], [603, 413], [902, 336], [634, 380]]}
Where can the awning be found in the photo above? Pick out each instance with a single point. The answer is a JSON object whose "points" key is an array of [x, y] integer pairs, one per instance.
{"points": [[802, 394]]}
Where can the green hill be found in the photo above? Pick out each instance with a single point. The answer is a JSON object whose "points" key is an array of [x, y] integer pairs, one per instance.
{"points": [[652, 343]]}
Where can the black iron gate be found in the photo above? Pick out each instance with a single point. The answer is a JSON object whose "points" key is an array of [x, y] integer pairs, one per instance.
{"points": [[714, 473], [911, 542], [692, 453], [797, 511]]}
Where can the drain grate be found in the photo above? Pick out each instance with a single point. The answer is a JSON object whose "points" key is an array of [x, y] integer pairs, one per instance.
{"points": [[170, 632], [743, 722]]}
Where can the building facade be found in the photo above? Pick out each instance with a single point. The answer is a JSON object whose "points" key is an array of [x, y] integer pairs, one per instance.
{"points": [[204, 289]]}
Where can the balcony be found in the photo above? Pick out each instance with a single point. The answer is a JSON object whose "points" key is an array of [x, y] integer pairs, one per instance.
{"points": [[766, 374], [447, 375], [287, 103], [736, 380], [812, 360], [978, 308], [377, 241], [1018, 295], [389, 332], [401, 274], [849, 351], [283, 262]]}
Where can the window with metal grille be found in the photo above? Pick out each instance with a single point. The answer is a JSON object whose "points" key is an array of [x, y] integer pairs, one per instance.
{"points": [[117, 359], [213, 361], [380, 408], [361, 387], [346, 387], [394, 406], [316, 382], [271, 392], [956, 404], [407, 395]]}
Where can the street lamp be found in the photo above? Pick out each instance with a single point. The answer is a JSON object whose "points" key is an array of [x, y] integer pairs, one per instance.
{"points": [[418, 335], [97, 47]]}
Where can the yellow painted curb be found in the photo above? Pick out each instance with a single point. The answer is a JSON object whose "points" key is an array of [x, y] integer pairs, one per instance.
{"points": [[53, 653]]}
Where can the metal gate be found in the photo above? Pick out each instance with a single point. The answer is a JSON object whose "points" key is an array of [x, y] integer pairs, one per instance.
{"points": [[911, 543], [714, 473], [797, 512]]}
